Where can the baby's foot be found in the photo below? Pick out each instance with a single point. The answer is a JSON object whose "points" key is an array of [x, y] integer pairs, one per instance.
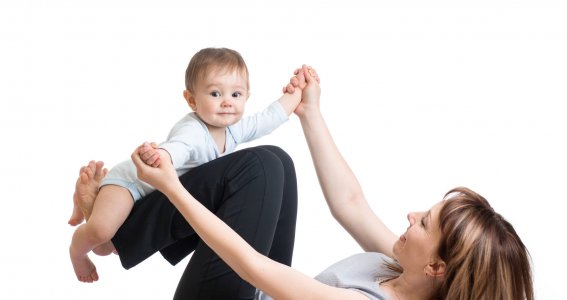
{"points": [[84, 269], [87, 185], [77, 216]]}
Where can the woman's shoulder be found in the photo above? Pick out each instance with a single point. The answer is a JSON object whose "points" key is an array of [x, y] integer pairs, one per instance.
{"points": [[367, 258], [360, 265], [361, 272]]}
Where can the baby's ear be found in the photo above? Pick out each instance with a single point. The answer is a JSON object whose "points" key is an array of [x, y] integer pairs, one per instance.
{"points": [[190, 99]]}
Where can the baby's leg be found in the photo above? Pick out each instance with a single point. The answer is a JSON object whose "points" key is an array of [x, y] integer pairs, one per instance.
{"points": [[112, 206], [105, 249], [86, 189]]}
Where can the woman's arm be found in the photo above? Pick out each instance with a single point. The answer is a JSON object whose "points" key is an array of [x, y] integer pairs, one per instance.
{"points": [[273, 278], [340, 187]]}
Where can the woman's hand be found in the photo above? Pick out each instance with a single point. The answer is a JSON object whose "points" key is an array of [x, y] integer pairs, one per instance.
{"points": [[298, 79], [311, 93], [162, 177]]}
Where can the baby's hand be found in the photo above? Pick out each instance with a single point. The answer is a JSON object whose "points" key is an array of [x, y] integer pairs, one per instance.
{"points": [[163, 178], [298, 80], [149, 155]]}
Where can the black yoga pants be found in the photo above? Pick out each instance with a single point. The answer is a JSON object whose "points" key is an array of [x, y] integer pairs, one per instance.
{"points": [[253, 190]]}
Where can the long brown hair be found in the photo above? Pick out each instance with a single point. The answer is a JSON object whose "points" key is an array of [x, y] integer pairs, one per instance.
{"points": [[484, 257]]}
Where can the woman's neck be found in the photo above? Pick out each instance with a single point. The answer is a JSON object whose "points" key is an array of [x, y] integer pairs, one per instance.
{"points": [[406, 287]]}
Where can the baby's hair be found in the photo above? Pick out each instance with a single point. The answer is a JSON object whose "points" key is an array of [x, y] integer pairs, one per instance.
{"points": [[208, 59]]}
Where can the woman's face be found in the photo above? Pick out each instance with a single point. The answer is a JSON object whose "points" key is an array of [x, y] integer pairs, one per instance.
{"points": [[417, 247]]}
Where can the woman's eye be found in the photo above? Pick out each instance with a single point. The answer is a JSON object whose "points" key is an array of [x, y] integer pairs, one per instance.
{"points": [[215, 94], [236, 94]]}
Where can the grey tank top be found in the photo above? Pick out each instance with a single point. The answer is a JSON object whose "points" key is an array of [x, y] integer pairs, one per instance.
{"points": [[361, 272]]}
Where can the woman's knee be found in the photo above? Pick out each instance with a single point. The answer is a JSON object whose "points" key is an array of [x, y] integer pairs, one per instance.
{"points": [[288, 166], [268, 162], [284, 157]]}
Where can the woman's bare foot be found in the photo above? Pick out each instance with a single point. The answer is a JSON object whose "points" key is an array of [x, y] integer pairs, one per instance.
{"points": [[86, 188], [84, 268]]}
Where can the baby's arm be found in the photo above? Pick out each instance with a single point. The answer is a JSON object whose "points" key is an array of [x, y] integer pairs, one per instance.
{"points": [[152, 155], [290, 100]]}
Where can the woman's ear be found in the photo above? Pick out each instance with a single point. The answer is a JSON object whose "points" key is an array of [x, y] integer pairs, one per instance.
{"points": [[435, 269], [190, 99]]}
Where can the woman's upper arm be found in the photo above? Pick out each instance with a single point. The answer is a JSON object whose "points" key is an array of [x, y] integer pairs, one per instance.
{"points": [[282, 282], [360, 221]]}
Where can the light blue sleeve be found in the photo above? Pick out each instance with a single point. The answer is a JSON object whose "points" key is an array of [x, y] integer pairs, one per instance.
{"points": [[183, 143], [259, 124]]}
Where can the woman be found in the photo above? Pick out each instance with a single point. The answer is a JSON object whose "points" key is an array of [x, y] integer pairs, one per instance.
{"points": [[459, 249]]}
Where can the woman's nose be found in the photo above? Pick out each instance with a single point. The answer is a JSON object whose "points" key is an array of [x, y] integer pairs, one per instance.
{"points": [[411, 218]]}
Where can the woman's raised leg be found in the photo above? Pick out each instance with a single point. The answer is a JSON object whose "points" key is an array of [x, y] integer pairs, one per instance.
{"points": [[252, 190]]}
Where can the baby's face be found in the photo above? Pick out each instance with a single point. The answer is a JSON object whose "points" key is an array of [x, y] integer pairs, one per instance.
{"points": [[220, 98]]}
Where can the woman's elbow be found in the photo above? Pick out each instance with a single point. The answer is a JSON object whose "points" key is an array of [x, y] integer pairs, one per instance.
{"points": [[346, 207], [252, 268]]}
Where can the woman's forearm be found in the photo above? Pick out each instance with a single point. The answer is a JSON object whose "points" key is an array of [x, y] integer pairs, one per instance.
{"points": [[228, 245], [338, 182]]}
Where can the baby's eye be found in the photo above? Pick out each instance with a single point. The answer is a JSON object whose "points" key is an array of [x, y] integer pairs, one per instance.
{"points": [[423, 221], [236, 94], [215, 94]]}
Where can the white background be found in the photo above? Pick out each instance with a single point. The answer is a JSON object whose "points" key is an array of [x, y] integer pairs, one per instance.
{"points": [[420, 97]]}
